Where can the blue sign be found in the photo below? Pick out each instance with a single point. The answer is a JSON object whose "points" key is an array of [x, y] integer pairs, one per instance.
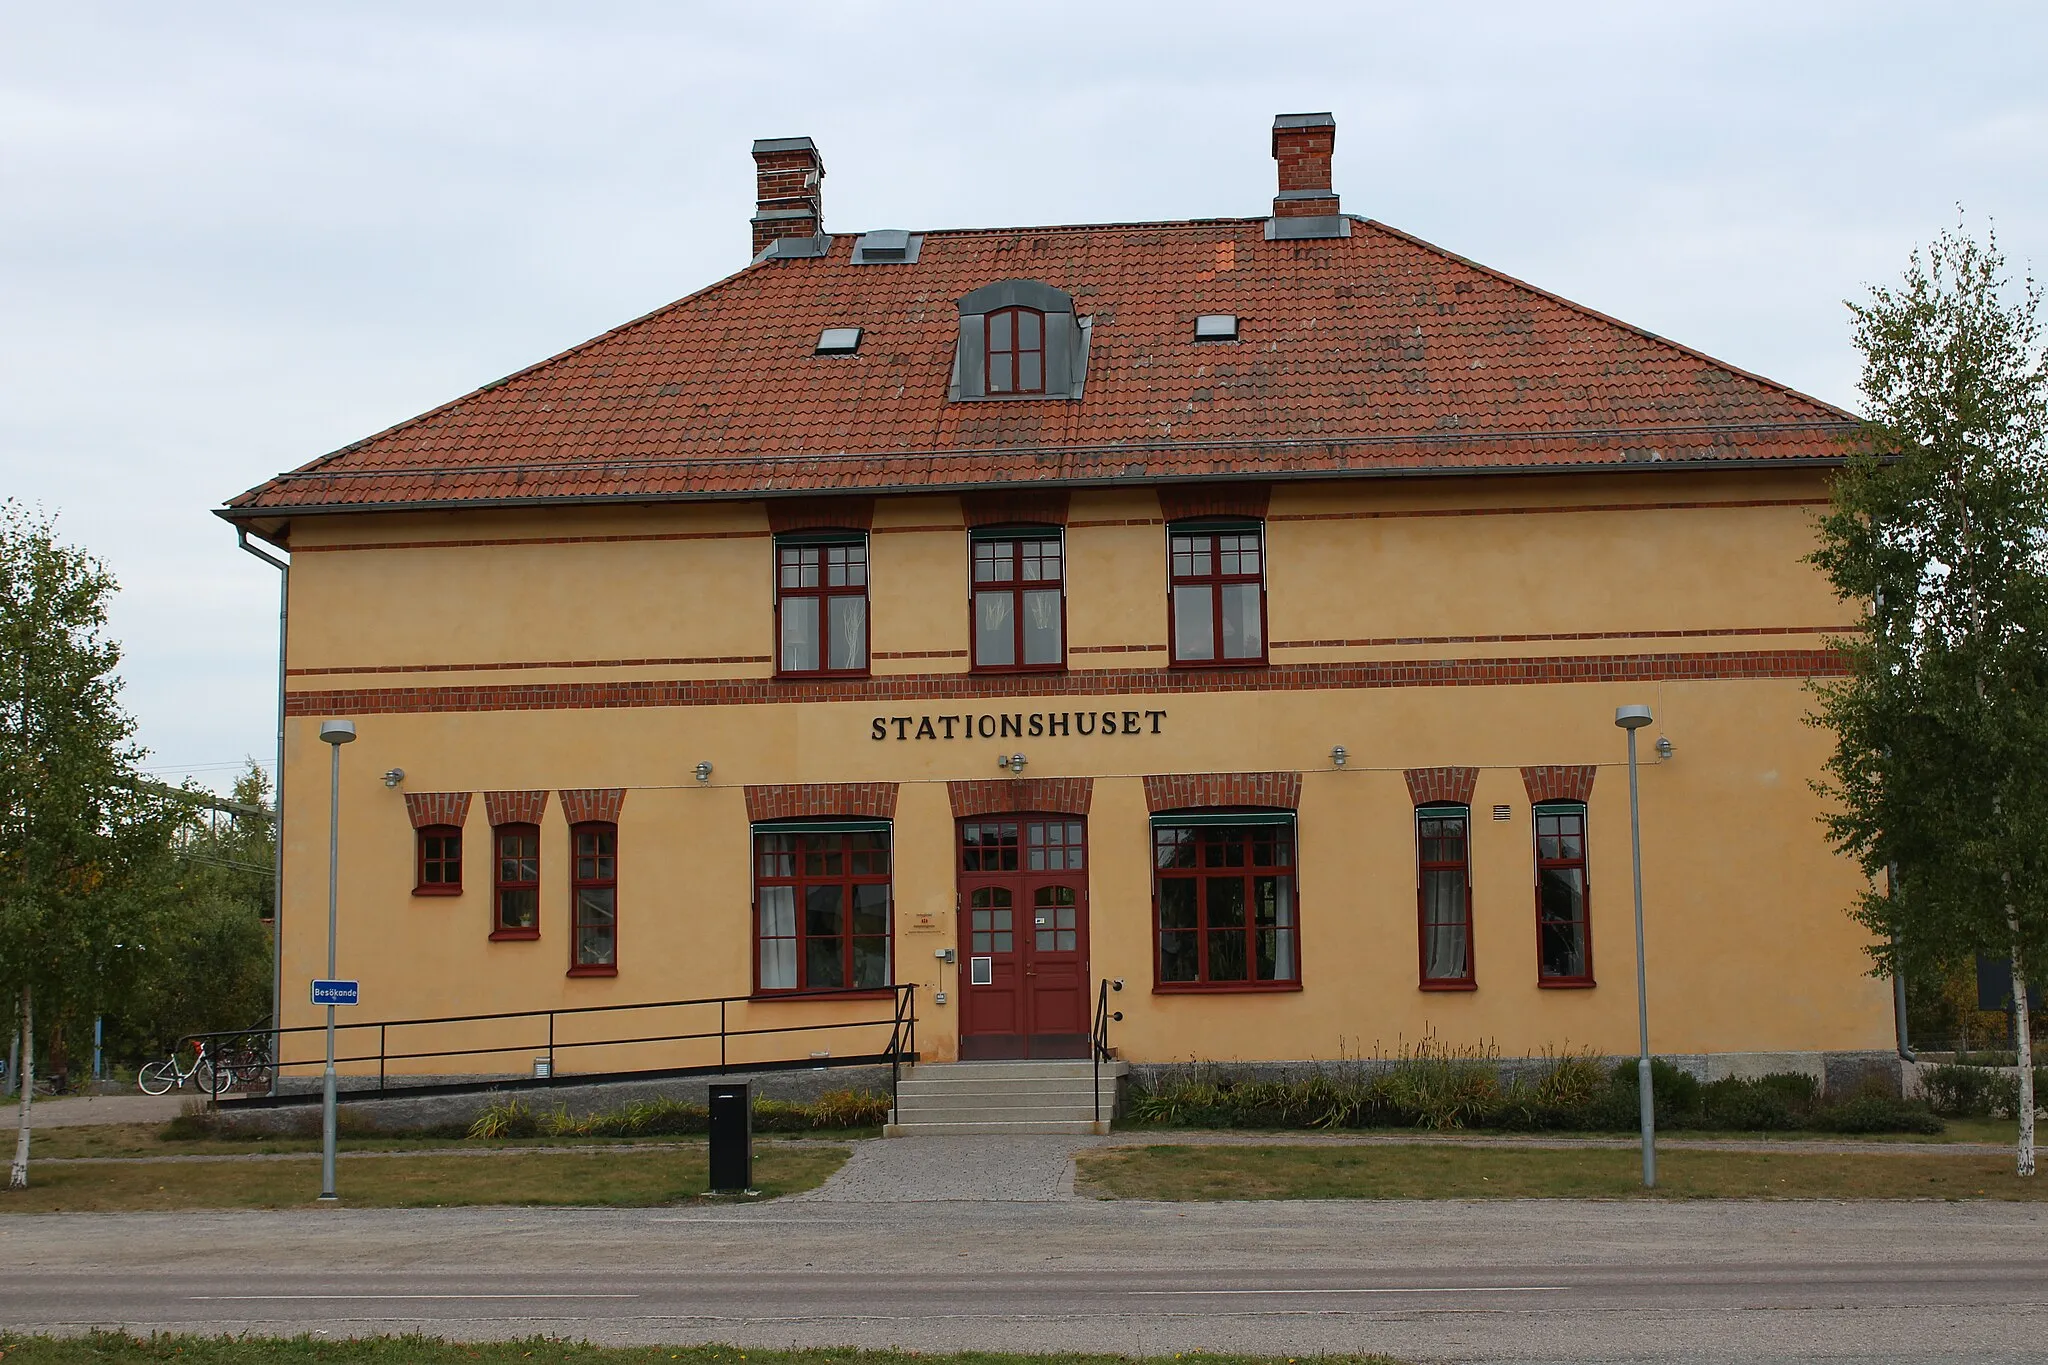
{"points": [[337, 992]]}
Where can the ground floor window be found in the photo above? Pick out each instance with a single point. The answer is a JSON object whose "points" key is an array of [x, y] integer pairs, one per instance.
{"points": [[1564, 946], [440, 861], [594, 899], [515, 884], [1444, 882], [821, 896], [1223, 901]]}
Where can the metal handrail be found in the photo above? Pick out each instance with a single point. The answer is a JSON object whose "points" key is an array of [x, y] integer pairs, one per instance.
{"points": [[902, 1038], [1099, 1038]]}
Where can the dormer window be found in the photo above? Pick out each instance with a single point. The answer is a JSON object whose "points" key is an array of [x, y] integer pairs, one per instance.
{"points": [[1016, 351], [1020, 341]]}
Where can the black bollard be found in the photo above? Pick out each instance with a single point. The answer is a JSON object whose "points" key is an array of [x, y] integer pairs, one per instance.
{"points": [[732, 1138]]}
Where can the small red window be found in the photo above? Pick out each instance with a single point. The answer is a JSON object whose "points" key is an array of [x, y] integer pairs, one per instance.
{"points": [[1019, 603], [440, 861], [594, 901], [1564, 936], [1218, 603], [515, 881], [1016, 351], [1444, 895]]}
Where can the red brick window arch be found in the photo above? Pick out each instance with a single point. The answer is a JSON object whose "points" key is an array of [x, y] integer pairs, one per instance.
{"points": [[1016, 350]]}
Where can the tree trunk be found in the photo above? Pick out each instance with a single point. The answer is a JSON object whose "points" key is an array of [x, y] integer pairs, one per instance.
{"points": [[2023, 1036], [17, 1178]]}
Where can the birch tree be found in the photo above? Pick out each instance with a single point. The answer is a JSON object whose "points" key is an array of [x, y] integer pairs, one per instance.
{"points": [[74, 828], [1939, 531]]}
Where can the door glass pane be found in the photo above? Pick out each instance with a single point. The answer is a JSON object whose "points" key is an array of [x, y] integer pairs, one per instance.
{"points": [[1042, 627], [1194, 633], [1244, 636], [799, 634], [849, 632], [995, 633]]}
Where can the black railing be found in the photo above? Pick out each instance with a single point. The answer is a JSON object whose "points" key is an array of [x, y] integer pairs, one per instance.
{"points": [[249, 1057], [1099, 1037]]}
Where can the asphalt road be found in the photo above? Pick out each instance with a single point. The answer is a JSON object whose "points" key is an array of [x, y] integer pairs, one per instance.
{"points": [[1515, 1280]]}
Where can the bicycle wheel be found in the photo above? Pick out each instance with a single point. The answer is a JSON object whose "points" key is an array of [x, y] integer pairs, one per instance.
{"points": [[156, 1078], [204, 1076]]}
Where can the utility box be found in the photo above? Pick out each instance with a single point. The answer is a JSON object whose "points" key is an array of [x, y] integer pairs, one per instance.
{"points": [[732, 1137]]}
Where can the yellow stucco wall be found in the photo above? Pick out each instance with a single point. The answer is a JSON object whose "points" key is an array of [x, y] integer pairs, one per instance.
{"points": [[1749, 945]]}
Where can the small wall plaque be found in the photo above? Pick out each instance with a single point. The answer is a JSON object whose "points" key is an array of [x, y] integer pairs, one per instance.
{"points": [[1503, 812]]}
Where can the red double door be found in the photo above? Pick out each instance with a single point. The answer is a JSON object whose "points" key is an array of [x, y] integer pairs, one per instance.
{"points": [[1023, 937]]}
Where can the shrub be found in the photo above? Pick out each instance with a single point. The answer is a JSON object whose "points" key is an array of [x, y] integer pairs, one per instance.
{"points": [[1875, 1114], [1775, 1103], [1970, 1091]]}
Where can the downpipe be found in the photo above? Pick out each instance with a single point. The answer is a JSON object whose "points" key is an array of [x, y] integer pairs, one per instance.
{"points": [[284, 579]]}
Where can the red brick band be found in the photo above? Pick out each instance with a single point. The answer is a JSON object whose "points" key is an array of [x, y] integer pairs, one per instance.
{"points": [[789, 800], [1181, 502], [1192, 791], [1023, 507], [927, 688], [515, 808], [593, 804], [1560, 782], [820, 514], [1001, 796], [437, 808], [1442, 784]]}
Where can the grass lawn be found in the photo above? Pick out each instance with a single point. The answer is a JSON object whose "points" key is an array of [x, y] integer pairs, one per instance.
{"points": [[2000, 1132], [147, 1139], [424, 1181], [1454, 1172], [108, 1348]]}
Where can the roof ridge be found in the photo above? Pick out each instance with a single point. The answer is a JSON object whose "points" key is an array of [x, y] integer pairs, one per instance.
{"points": [[1609, 319]]}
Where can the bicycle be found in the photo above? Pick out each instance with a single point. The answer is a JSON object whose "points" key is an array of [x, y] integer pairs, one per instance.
{"points": [[157, 1078]]}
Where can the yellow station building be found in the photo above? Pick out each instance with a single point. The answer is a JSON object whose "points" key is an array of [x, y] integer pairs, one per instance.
{"points": [[1235, 609]]}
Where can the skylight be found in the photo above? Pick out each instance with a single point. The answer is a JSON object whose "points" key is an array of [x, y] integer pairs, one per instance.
{"points": [[887, 246], [838, 341], [1216, 327]]}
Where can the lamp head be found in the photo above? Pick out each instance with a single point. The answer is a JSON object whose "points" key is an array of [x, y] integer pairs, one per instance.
{"points": [[337, 731], [1632, 717], [1339, 755], [703, 771], [393, 776]]}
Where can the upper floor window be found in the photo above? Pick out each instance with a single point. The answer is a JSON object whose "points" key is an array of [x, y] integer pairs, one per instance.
{"points": [[1444, 889], [1218, 598], [821, 604], [1016, 351], [440, 861], [515, 881], [821, 908], [1564, 944], [594, 900], [1019, 600]]}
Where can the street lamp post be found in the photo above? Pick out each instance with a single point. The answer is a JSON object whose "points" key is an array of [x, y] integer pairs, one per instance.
{"points": [[335, 733], [1632, 719]]}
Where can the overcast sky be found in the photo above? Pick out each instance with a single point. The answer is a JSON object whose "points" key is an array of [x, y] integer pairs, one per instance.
{"points": [[234, 237]]}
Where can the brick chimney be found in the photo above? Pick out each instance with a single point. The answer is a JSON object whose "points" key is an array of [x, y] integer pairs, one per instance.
{"points": [[1302, 144], [788, 176]]}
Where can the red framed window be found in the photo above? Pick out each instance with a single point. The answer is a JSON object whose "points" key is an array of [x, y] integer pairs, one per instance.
{"points": [[821, 606], [1218, 594], [1224, 903], [440, 861], [821, 909], [594, 900], [515, 881], [1019, 602], [1016, 351], [1443, 835], [1564, 939]]}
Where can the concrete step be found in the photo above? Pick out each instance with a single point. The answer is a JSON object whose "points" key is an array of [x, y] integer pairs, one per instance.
{"points": [[1018, 1070], [1002, 1113], [998, 1129], [940, 1094]]}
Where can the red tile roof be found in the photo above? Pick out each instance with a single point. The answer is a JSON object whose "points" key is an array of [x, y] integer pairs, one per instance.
{"points": [[1367, 354]]}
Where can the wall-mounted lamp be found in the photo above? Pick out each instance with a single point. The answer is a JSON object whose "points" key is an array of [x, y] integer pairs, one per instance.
{"points": [[1012, 763], [393, 776], [703, 771], [1664, 748], [1339, 754]]}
